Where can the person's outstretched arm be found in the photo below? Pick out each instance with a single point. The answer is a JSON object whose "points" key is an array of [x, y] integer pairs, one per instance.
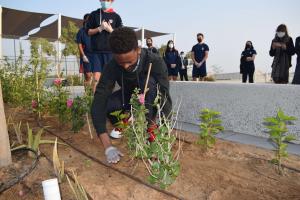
{"points": [[99, 112]]}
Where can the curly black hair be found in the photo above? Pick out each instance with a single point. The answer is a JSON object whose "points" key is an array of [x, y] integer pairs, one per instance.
{"points": [[123, 40]]}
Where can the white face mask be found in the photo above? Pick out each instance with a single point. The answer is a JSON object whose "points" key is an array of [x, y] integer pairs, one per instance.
{"points": [[280, 34], [171, 46]]}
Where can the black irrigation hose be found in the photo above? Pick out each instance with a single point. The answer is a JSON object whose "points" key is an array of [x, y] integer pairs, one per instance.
{"points": [[111, 167], [9, 184], [262, 159], [50, 161]]}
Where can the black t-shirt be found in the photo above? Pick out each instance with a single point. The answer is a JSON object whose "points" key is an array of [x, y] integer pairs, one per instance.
{"points": [[99, 41], [153, 50], [248, 53]]}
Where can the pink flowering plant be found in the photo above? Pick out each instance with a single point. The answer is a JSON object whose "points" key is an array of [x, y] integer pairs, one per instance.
{"points": [[34, 104], [141, 98], [69, 103], [154, 145], [59, 102], [136, 132]]}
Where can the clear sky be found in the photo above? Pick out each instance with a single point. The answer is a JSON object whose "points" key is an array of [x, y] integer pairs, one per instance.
{"points": [[226, 24]]}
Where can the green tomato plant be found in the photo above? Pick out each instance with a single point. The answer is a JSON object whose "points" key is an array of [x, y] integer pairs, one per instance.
{"points": [[278, 133]]}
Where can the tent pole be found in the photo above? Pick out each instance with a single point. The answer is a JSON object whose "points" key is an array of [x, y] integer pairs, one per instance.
{"points": [[174, 38], [143, 36], [15, 53], [58, 45], [1, 34]]}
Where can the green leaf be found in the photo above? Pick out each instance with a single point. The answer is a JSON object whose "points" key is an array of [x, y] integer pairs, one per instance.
{"points": [[289, 138], [274, 161], [123, 116], [116, 113], [155, 165], [211, 142], [37, 139], [280, 114], [19, 147], [275, 128], [30, 136], [271, 120], [275, 135], [162, 186], [152, 179]]}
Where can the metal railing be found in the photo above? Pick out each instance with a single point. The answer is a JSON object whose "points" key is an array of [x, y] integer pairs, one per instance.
{"points": [[68, 66]]}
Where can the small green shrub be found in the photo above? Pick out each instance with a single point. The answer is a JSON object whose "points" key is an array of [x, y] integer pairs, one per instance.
{"points": [[210, 125], [278, 131]]}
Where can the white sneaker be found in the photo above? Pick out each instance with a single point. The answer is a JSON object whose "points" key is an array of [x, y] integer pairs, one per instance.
{"points": [[115, 134]]}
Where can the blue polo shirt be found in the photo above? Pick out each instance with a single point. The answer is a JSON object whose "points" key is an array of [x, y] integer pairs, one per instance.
{"points": [[199, 51], [83, 38]]}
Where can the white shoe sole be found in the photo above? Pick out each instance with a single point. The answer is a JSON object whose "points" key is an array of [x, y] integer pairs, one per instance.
{"points": [[115, 134]]}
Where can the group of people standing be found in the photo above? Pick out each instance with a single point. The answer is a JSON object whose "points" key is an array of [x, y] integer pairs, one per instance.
{"points": [[178, 63], [110, 54], [282, 49]]}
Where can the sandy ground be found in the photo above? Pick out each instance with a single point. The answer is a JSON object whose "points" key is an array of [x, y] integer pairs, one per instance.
{"points": [[228, 171]]}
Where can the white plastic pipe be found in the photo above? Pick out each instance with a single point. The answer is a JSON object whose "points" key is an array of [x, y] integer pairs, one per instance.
{"points": [[51, 189]]}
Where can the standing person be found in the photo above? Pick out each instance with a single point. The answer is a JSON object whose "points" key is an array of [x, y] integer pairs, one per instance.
{"points": [[172, 60], [247, 64], [199, 57], [100, 25], [150, 46], [282, 49], [296, 79], [129, 68], [86, 56], [183, 68]]}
